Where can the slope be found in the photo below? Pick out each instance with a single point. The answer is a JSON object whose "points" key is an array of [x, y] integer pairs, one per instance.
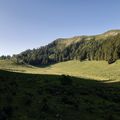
{"points": [[105, 46]]}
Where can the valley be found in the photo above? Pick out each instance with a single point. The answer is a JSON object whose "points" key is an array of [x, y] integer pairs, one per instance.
{"points": [[59, 60], [68, 79], [99, 70]]}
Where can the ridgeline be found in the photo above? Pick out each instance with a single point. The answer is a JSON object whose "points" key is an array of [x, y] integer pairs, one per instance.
{"points": [[105, 46]]}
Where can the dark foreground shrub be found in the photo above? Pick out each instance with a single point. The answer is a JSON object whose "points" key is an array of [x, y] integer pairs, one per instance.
{"points": [[110, 61], [66, 80]]}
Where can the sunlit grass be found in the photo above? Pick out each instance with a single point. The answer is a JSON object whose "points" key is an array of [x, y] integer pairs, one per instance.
{"points": [[100, 70]]}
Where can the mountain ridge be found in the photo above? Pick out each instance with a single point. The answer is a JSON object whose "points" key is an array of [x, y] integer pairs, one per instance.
{"points": [[105, 34], [104, 46]]}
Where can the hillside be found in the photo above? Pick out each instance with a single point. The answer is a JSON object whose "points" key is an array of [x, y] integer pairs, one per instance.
{"points": [[104, 46], [53, 97], [99, 70]]}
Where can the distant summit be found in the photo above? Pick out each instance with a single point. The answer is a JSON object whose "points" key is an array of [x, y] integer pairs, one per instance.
{"points": [[112, 32], [115, 30]]}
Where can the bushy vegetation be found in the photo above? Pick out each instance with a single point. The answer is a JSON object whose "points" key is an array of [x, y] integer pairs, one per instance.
{"points": [[80, 48], [3, 57], [53, 97]]}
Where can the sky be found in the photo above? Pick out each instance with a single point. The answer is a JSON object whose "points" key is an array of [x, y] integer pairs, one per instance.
{"points": [[28, 24]]}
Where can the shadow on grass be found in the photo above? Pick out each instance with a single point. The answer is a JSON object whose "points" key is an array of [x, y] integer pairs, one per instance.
{"points": [[57, 97]]}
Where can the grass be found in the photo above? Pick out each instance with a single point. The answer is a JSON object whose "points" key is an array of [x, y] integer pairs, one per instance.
{"points": [[100, 70], [55, 97]]}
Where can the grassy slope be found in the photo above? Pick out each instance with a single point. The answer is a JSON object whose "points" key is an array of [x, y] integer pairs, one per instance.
{"points": [[50, 97], [100, 70], [63, 42], [91, 69]]}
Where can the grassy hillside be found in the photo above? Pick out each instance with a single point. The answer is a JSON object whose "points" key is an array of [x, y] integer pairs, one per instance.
{"points": [[53, 97], [104, 46], [100, 70], [12, 66], [90, 69]]}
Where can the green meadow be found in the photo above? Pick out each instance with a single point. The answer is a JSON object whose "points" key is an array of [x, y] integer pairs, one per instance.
{"points": [[99, 70]]}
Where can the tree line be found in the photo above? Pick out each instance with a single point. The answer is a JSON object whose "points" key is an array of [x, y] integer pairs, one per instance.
{"points": [[105, 49]]}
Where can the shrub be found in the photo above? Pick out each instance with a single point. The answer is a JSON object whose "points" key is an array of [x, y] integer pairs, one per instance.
{"points": [[110, 61], [66, 80]]}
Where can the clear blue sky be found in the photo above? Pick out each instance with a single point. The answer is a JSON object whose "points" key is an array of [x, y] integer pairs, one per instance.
{"points": [[32, 23]]}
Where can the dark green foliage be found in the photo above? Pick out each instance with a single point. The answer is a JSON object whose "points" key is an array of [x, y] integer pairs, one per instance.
{"points": [[104, 49], [53, 97], [3, 57], [110, 61]]}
